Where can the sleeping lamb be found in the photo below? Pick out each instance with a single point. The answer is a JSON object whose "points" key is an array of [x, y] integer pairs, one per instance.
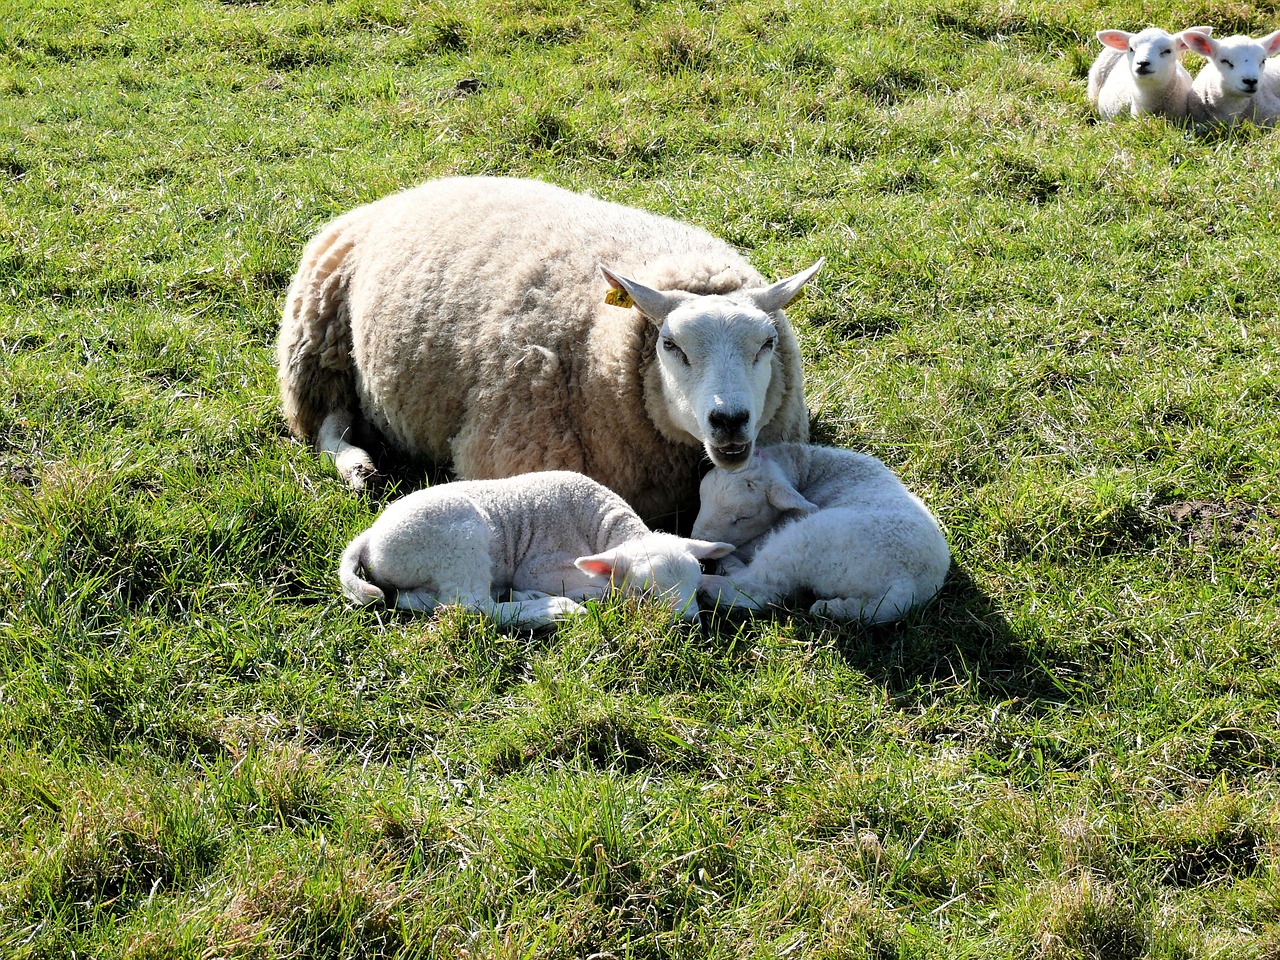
{"points": [[817, 520], [471, 321], [551, 539]]}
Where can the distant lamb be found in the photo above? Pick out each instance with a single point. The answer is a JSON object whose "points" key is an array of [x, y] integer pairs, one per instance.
{"points": [[469, 320], [1232, 86], [832, 523], [1154, 81], [551, 539]]}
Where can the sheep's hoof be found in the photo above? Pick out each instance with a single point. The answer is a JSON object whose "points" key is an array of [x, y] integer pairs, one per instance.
{"points": [[358, 475]]}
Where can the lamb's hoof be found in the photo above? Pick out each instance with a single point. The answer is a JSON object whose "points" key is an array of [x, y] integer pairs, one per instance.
{"points": [[564, 607], [545, 611]]}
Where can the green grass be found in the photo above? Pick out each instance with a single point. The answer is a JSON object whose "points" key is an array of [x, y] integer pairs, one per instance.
{"points": [[1064, 336]]}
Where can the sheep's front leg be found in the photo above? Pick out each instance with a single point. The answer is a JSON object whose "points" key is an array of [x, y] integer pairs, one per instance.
{"points": [[353, 463]]}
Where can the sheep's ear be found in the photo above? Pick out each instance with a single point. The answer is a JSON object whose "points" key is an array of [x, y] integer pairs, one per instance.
{"points": [[1180, 39], [654, 304], [784, 497], [709, 549], [1198, 42], [778, 295], [1271, 42], [599, 564], [1115, 39]]}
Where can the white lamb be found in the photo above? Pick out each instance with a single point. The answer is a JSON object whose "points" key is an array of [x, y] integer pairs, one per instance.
{"points": [[820, 521], [468, 321], [1231, 86], [550, 539], [1155, 81]]}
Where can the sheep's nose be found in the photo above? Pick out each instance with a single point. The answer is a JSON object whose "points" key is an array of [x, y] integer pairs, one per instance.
{"points": [[729, 422], [1143, 66], [1250, 82]]}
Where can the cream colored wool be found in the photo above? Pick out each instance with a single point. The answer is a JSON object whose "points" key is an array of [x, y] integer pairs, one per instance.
{"points": [[466, 321]]}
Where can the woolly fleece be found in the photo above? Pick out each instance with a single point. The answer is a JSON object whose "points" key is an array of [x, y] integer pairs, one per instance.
{"points": [[465, 320]]}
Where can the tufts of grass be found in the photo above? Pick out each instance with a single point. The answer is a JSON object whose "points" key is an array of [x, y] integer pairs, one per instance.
{"points": [[1060, 333]]}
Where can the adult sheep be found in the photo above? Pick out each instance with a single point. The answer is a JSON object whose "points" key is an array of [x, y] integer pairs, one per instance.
{"points": [[472, 321]]}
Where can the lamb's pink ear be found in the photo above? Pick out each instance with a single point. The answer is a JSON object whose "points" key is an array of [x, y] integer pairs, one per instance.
{"points": [[778, 295], [709, 550], [784, 497], [1180, 39], [654, 304], [600, 564], [1271, 42], [1115, 39], [1198, 42]]}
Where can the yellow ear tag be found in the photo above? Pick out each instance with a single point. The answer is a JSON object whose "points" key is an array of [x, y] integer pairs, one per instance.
{"points": [[618, 298], [799, 294]]}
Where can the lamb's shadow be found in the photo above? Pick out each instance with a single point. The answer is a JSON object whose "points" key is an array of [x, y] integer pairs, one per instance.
{"points": [[960, 639]]}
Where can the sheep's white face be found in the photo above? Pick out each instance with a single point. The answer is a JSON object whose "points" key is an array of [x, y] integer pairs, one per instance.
{"points": [[715, 357], [1238, 60], [734, 505], [716, 361], [1153, 57], [671, 579], [660, 566]]}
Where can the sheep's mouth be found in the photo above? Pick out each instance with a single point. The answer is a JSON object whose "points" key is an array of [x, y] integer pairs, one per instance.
{"points": [[730, 455]]}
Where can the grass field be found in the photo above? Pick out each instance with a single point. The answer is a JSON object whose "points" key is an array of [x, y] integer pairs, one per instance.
{"points": [[1063, 335]]}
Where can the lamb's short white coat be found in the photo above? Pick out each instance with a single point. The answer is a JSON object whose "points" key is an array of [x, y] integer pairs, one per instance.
{"points": [[549, 539], [833, 523], [470, 321], [1234, 84], [1153, 79]]}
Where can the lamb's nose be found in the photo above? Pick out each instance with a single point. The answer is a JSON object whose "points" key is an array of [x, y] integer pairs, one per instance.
{"points": [[1250, 82], [1144, 66], [728, 422]]}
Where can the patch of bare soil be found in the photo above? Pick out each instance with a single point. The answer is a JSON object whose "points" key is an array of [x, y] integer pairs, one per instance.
{"points": [[1210, 523]]}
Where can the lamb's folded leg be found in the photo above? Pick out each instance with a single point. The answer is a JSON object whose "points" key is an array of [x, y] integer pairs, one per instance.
{"points": [[415, 601], [894, 605], [721, 592], [538, 612]]}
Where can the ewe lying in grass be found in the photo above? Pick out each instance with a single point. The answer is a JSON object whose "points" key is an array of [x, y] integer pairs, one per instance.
{"points": [[818, 520], [551, 539], [467, 322], [1154, 80], [1232, 85]]}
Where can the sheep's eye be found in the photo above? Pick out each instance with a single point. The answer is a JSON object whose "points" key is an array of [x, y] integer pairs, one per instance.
{"points": [[1228, 63], [768, 347], [1165, 53], [670, 346]]}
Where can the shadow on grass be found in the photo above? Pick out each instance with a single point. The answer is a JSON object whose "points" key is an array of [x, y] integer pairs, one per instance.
{"points": [[960, 639]]}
